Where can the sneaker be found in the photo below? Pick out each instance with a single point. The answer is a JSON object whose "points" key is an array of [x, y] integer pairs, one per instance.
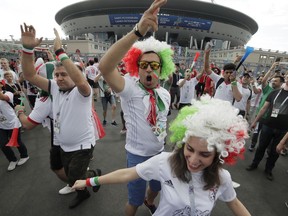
{"points": [[114, 123], [22, 161], [251, 167], [269, 175], [66, 190], [251, 148], [123, 131], [12, 165], [151, 208], [104, 122], [283, 152], [81, 196]]}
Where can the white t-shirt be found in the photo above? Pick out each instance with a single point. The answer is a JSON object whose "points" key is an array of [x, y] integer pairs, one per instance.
{"points": [[91, 72], [224, 91], [72, 111], [187, 91], [174, 195], [8, 118], [140, 139], [256, 98], [246, 95], [40, 113]]}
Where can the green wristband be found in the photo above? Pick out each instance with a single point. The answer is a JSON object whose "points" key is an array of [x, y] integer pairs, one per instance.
{"points": [[96, 181], [234, 83]]}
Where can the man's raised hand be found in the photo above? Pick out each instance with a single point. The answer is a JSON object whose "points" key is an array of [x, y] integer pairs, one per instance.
{"points": [[28, 37]]}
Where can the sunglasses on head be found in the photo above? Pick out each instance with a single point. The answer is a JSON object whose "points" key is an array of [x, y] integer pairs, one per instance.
{"points": [[153, 65]]}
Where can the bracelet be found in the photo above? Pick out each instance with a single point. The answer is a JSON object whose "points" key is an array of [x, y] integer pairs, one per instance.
{"points": [[136, 31], [19, 112], [59, 51], [28, 51], [234, 83], [91, 182], [62, 57]]}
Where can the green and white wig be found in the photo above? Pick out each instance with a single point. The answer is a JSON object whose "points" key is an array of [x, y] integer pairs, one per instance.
{"points": [[162, 49], [215, 120]]}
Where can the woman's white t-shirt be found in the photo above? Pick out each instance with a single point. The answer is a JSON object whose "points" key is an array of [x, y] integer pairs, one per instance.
{"points": [[174, 195]]}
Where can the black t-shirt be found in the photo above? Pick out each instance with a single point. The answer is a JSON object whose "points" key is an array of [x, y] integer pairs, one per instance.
{"points": [[176, 78], [281, 121]]}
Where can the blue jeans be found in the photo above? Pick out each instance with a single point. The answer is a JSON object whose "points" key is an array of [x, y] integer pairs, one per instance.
{"points": [[268, 136], [137, 188]]}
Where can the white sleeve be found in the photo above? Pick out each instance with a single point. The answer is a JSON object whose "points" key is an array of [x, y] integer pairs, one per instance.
{"points": [[149, 169], [215, 77], [42, 109], [228, 194]]}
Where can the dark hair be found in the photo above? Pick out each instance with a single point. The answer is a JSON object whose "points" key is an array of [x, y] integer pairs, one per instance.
{"points": [[91, 62], [229, 66], [282, 80], [95, 59], [179, 168], [148, 52]]}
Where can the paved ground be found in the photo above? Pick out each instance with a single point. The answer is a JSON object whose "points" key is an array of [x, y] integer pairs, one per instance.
{"points": [[32, 189]]}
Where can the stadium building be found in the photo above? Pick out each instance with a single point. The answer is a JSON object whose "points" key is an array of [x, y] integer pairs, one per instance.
{"points": [[187, 23]]}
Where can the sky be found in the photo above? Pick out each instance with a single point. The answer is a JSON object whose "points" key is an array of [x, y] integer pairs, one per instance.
{"points": [[271, 16]]}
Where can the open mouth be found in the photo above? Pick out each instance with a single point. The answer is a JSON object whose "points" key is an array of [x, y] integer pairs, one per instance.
{"points": [[149, 78]]}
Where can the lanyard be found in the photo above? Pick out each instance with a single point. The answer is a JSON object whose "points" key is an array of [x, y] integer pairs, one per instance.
{"points": [[277, 97], [192, 198]]}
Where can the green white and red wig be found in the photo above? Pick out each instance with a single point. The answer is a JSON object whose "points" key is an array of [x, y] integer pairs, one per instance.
{"points": [[162, 49], [216, 121]]}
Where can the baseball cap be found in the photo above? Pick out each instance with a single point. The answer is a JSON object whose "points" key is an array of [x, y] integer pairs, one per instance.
{"points": [[247, 73]]}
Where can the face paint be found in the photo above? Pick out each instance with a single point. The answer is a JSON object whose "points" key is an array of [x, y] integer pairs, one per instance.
{"points": [[155, 74]]}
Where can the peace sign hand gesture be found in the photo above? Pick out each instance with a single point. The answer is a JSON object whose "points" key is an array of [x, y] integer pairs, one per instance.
{"points": [[28, 37]]}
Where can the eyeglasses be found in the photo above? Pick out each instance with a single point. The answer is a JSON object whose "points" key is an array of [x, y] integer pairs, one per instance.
{"points": [[144, 65]]}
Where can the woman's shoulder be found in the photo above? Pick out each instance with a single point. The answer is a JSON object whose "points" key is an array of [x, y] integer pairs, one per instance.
{"points": [[224, 176]]}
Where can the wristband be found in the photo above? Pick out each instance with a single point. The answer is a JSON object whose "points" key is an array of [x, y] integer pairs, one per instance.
{"points": [[28, 51], [88, 182], [91, 182], [234, 83], [62, 57], [59, 51]]}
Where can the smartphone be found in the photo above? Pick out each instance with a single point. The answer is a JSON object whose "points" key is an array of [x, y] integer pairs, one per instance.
{"points": [[40, 52]]}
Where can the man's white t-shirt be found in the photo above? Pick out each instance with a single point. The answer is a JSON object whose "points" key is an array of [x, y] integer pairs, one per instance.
{"points": [[73, 113], [246, 95], [224, 91], [174, 195], [8, 118], [140, 139], [187, 91], [91, 72]]}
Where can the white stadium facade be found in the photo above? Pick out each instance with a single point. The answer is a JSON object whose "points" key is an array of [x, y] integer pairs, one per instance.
{"points": [[185, 22]]}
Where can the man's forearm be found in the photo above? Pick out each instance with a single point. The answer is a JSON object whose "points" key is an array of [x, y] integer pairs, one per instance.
{"points": [[116, 52]]}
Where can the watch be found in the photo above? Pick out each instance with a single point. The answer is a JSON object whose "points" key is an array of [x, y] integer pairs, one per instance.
{"points": [[136, 31]]}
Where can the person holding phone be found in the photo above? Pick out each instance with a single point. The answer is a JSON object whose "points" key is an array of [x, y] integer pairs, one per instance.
{"points": [[226, 88]]}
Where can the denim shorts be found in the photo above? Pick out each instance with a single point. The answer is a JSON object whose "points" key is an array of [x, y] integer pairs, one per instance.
{"points": [[137, 188]]}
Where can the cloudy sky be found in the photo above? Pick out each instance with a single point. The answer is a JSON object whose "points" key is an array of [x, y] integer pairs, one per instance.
{"points": [[271, 17]]}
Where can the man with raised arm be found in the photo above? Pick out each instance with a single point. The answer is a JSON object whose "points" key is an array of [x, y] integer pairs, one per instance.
{"points": [[226, 87], [145, 104], [71, 105]]}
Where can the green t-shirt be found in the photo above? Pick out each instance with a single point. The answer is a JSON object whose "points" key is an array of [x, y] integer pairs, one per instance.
{"points": [[265, 92]]}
